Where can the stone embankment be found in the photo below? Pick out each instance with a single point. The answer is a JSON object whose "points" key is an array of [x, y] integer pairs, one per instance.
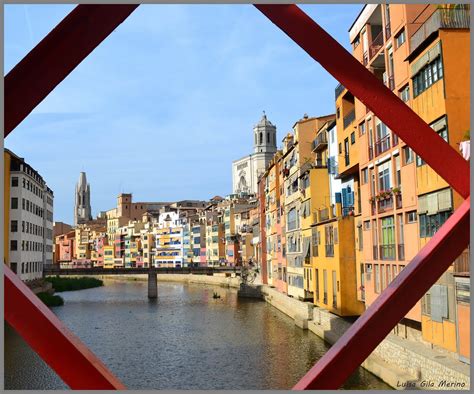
{"points": [[402, 363]]}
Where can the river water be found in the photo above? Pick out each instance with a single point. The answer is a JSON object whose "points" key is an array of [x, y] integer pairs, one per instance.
{"points": [[184, 340]]}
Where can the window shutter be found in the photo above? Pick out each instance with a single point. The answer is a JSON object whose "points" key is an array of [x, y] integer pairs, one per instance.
{"points": [[445, 202], [422, 204], [432, 203], [335, 235]]}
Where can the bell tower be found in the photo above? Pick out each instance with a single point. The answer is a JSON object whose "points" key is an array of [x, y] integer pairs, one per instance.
{"points": [[264, 136]]}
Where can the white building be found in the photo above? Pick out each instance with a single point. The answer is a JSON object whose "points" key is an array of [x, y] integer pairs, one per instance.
{"points": [[245, 171], [169, 241], [30, 218]]}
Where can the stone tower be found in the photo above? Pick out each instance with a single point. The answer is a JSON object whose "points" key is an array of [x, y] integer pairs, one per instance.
{"points": [[82, 208], [264, 136]]}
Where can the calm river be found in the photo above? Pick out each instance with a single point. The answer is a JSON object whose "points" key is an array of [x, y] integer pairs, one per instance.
{"points": [[185, 340]]}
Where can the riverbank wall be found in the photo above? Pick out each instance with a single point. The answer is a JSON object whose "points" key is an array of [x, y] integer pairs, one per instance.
{"points": [[401, 363]]}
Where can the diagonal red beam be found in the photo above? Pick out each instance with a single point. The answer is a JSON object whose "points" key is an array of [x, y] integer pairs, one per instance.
{"points": [[75, 364], [358, 342], [67, 45], [399, 117]]}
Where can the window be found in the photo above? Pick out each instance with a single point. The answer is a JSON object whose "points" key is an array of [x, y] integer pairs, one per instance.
{"points": [[13, 245], [14, 203], [430, 224], [353, 138], [356, 42], [387, 241], [317, 284], [340, 148], [384, 176], [291, 219], [366, 225], [405, 93], [365, 175], [14, 181], [14, 226], [362, 128], [411, 217], [408, 155], [338, 112], [325, 287], [427, 76], [334, 289], [400, 38]]}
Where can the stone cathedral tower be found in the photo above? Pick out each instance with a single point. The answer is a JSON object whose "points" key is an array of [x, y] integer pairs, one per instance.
{"points": [[245, 171], [82, 208]]}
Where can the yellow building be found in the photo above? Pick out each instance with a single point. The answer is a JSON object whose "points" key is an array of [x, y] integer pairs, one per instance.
{"points": [[109, 256], [215, 243], [297, 156]]}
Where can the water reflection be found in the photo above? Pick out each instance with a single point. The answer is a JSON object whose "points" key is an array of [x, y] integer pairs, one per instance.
{"points": [[184, 340]]}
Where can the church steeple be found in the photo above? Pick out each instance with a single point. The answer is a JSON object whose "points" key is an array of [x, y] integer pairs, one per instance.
{"points": [[264, 136], [82, 208]]}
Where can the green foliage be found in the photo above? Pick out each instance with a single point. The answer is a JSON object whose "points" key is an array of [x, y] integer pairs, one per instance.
{"points": [[51, 300], [467, 136], [70, 284]]}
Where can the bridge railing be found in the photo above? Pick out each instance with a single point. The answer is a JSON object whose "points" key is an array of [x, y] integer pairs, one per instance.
{"points": [[31, 80]]}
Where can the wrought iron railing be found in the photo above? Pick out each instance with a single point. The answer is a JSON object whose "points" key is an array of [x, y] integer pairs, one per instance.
{"points": [[349, 118], [401, 251], [339, 89], [385, 204], [382, 145], [444, 18], [375, 45], [320, 142], [387, 252], [375, 252]]}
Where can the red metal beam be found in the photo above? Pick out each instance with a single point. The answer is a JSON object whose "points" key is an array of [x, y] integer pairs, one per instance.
{"points": [[399, 117], [75, 364], [333, 369], [67, 45]]}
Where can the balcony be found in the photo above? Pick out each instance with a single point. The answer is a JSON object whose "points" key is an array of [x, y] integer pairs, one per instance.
{"points": [[382, 145], [320, 142], [376, 44], [444, 18], [398, 200], [401, 252], [349, 118], [318, 163], [339, 89], [388, 32], [365, 58], [323, 214], [348, 211], [385, 204], [387, 252], [329, 250]]}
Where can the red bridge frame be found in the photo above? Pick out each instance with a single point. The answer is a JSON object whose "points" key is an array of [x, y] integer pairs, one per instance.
{"points": [[75, 38]]}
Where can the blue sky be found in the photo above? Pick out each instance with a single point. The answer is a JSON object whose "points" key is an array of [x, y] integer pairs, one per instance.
{"points": [[165, 104]]}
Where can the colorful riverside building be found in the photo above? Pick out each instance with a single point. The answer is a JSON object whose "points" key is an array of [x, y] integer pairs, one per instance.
{"points": [[231, 209], [169, 243], [297, 156], [421, 52], [276, 266], [330, 261], [28, 218]]}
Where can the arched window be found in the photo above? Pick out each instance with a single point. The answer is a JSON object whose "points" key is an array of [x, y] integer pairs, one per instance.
{"points": [[255, 138], [268, 138], [261, 138]]}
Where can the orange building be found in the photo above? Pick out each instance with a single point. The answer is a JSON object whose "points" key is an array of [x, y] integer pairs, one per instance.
{"points": [[421, 53]]}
